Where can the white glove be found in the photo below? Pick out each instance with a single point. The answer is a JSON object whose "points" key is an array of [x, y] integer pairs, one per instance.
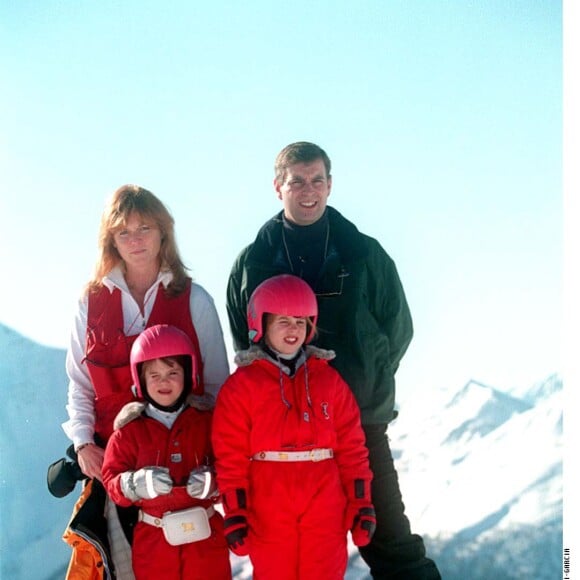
{"points": [[146, 483], [201, 483]]}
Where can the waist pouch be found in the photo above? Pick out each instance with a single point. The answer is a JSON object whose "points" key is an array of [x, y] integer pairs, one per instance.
{"points": [[183, 526]]}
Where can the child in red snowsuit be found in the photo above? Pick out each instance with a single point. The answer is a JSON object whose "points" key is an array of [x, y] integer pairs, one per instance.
{"points": [[291, 462], [160, 458]]}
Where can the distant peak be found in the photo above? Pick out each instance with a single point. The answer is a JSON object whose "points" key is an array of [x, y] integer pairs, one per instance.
{"points": [[473, 382], [475, 393]]}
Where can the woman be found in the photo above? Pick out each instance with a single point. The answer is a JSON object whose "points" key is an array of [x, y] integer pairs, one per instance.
{"points": [[139, 281]]}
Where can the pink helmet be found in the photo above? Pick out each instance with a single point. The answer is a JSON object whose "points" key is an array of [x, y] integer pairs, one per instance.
{"points": [[160, 341], [286, 295]]}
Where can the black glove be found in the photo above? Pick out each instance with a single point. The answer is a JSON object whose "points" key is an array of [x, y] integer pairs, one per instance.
{"points": [[62, 477], [236, 521], [364, 524], [360, 516]]}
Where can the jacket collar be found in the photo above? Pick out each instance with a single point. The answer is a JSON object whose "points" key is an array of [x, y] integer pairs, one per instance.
{"points": [[135, 409], [344, 237], [116, 279], [245, 358]]}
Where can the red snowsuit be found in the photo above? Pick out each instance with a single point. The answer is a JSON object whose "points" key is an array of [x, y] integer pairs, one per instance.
{"points": [[142, 441], [296, 510]]}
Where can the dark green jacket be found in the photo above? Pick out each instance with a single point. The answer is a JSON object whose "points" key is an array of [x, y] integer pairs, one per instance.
{"points": [[363, 313]]}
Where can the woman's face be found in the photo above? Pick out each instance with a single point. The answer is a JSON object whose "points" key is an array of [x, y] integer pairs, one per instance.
{"points": [[138, 242]]}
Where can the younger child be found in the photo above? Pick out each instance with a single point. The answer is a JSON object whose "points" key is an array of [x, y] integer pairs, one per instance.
{"points": [[291, 460], [159, 458]]}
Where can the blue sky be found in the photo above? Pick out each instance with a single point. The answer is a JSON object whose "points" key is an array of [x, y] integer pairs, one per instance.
{"points": [[443, 120]]}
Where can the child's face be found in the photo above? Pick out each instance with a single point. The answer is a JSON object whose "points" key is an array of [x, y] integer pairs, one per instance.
{"points": [[285, 334], [164, 380]]}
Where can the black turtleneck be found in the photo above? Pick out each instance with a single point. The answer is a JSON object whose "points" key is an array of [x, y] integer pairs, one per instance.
{"points": [[306, 247]]}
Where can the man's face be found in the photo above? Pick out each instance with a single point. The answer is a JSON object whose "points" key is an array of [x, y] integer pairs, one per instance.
{"points": [[304, 192]]}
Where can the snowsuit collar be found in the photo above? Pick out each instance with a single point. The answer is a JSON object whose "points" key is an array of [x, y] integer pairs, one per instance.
{"points": [[245, 358], [135, 409]]}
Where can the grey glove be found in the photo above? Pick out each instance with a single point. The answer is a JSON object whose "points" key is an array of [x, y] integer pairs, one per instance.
{"points": [[146, 483], [201, 483]]}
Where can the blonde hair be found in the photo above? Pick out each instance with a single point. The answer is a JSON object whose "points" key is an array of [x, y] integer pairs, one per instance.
{"points": [[130, 199]]}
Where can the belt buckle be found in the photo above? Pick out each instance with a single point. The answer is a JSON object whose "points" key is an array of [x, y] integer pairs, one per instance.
{"points": [[315, 455], [153, 520]]}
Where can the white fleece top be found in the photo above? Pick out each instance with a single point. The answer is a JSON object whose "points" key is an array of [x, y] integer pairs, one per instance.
{"points": [[81, 395]]}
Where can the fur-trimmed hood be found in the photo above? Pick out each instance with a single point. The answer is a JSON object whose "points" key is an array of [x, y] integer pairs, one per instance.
{"points": [[133, 410], [244, 358]]}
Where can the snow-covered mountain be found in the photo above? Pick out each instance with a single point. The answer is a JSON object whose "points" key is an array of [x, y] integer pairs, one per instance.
{"points": [[482, 481], [480, 471]]}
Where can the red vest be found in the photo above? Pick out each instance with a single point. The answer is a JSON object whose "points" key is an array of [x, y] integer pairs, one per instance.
{"points": [[108, 349]]}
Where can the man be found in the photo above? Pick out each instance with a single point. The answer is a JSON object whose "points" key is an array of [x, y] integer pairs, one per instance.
{"points": [[363, 317]]}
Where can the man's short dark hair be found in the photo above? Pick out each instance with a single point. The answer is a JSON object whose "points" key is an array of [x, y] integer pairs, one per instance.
{"points": [[299, 152]]}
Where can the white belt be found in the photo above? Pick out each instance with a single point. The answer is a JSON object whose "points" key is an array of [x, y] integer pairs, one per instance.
{"points": [[312, 455], [157, 521]]}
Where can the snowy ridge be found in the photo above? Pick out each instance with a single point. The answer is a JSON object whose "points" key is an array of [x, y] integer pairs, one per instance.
{"points": [[480, 472], [479, 410], [482, 481]]}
